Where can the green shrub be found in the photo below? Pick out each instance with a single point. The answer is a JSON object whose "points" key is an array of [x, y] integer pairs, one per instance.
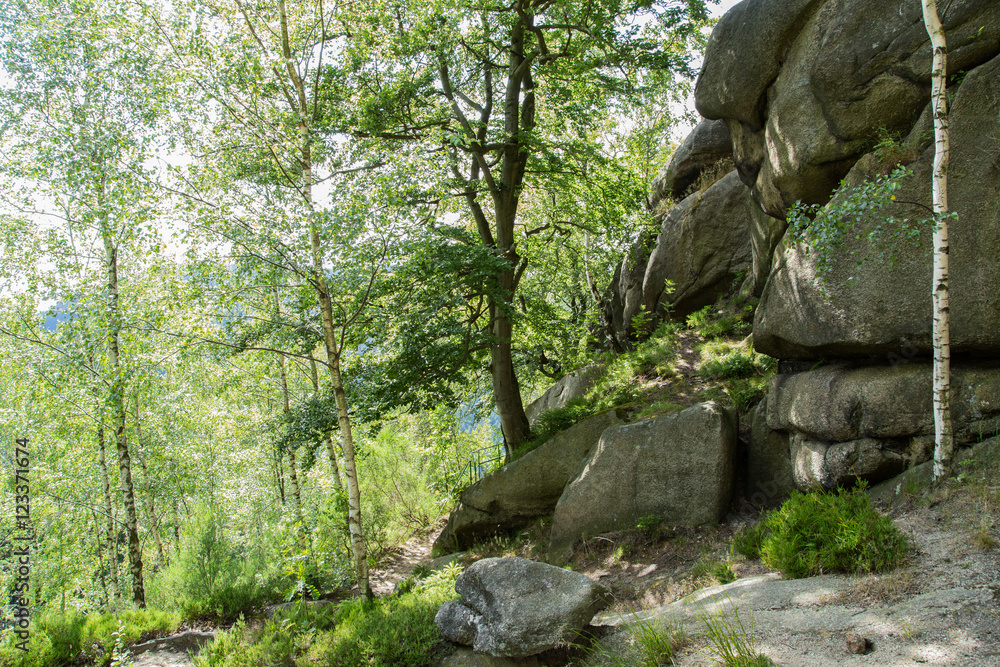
{"points": [[824, 532], [213, 577], [396, 630]]}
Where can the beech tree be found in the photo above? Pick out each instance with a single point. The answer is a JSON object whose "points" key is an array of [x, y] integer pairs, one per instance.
{"points": [[487, 100]]}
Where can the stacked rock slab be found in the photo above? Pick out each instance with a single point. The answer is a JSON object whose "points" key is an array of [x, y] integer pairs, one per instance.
{"points": [[679, 467], [513, 607], [523, 490], [808, 88], [874, 422], [702, 245]]}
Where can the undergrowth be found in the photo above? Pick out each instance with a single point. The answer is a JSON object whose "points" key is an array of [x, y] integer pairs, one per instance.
{"points": [[386, 632], [60, 637], [823, 532]]}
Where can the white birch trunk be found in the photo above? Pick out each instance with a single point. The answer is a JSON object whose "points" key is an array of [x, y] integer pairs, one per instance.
{"points": [[943, 438]]}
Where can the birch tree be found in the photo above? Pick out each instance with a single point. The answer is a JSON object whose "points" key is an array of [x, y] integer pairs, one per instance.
{"points": [[943, 438], [259, 67], [85, 103]]}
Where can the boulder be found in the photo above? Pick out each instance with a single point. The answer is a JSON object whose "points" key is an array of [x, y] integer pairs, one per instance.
{"points": [[513, 607], [626, 290], [744, 55], [768, 476], [575, 384], [524, 489], [839, 403], [702, 246], [806, 86], [877, 308], [822, 465], [706, 145], [678, 466]]}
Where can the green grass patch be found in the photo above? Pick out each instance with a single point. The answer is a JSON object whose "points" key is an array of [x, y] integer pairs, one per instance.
{"points": [[824, 532], [390, 631], [58, 638]]}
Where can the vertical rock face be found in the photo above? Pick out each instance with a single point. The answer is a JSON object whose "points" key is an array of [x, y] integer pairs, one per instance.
{"points": [[678, 466], [876, 307], [807, 85], [512, 607]]}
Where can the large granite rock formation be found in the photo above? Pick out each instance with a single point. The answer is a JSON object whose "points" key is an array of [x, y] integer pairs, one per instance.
{"points": [[574, 384], [879, 308], [810, 91], [512, 607], [806, 85], [679, 466], [703, 245], [524, 489]]}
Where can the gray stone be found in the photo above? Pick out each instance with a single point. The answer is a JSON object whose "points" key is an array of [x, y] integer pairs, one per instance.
{"points": [[706, 145], [769, 467], [818, 464], [626, 291], [522, 490], [702, 246], [837, 403], [457, 622], [806, 86], [678, 466], [575, 384], [745, 54], [887, 309], [515, 607]]}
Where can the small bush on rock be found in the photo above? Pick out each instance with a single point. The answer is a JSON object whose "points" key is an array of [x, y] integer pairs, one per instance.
{"points": [[824, 532]]}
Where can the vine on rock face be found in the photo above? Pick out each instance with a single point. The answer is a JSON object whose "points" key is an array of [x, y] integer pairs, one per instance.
{"points": [[824, 230]]}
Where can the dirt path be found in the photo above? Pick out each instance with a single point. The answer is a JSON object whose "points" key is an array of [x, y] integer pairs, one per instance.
{"points": [[402, 560], [172, 651], [943, 608]]}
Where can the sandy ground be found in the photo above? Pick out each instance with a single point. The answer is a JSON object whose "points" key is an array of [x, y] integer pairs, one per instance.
{"points": [[942, 608]]}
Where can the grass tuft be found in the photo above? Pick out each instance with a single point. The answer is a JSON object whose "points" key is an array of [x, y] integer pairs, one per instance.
{"points": [[731, 642]]}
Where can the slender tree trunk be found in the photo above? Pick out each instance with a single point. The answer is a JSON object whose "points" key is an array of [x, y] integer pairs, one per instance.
{"points": [[118, 411], [279, 471], [293, 474], [331, 448], [106, 483], [943, 437], [150, 500]]}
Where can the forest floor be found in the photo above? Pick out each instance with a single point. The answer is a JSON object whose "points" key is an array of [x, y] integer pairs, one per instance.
{"points": [[941, 607]]}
